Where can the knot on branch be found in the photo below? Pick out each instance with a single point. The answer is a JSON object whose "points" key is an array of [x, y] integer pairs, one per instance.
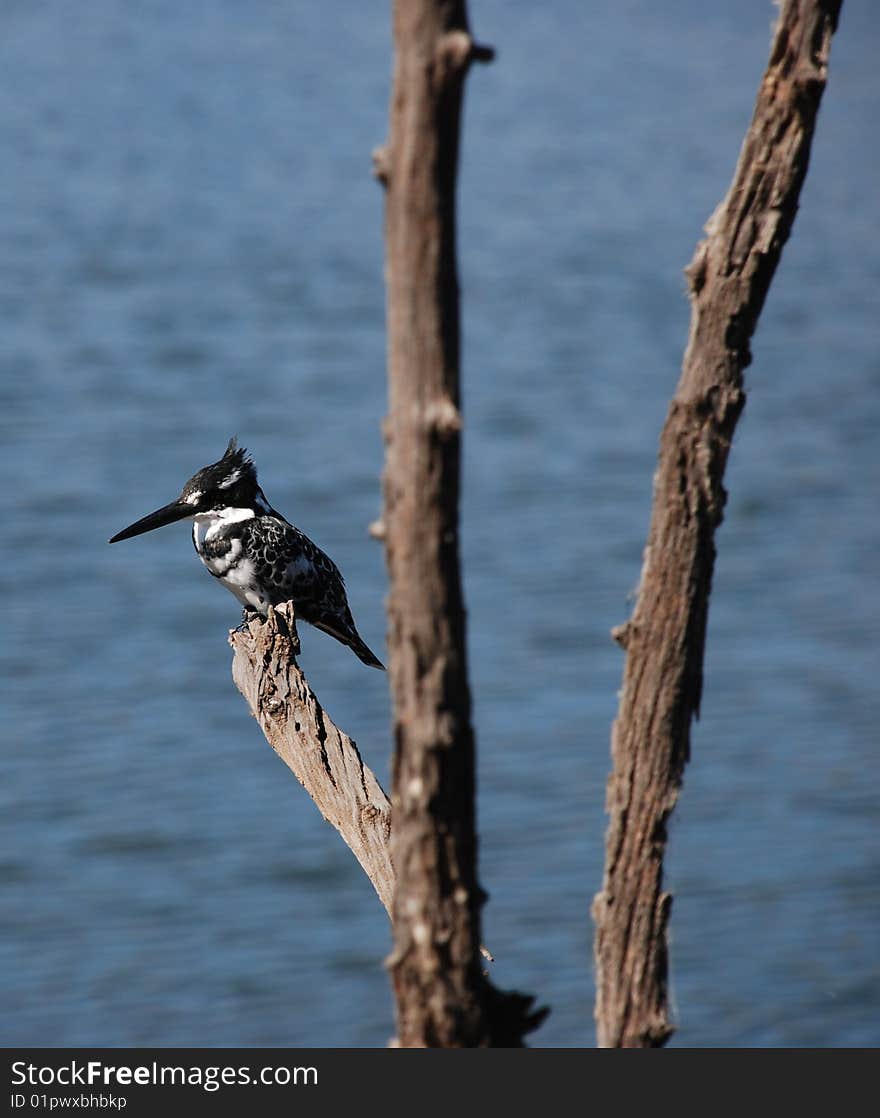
{"points": [[381, 164], [622, 634], [697, 270], [443, 418], [456, 50]]}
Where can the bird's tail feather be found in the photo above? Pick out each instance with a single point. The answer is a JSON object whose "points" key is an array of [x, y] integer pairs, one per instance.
{"points": [[363, 653], [352, 639]]}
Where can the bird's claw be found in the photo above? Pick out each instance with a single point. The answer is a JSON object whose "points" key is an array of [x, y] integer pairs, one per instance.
{"points": [[247, 616]]}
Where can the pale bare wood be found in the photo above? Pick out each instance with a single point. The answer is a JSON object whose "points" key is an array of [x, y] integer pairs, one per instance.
{"points": [[324, 760], [664, 640]]}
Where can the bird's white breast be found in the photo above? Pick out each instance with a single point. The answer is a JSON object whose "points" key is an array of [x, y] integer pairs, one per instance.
{"points": [[241, 581], [206, 525], [233, 568]]}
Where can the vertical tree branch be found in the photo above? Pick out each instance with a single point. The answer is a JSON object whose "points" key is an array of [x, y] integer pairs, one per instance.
{"points": [[434, 967], [442, 998], [664, 640]]}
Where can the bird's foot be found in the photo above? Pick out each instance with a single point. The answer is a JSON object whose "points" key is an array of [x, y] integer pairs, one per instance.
{"points": [[247, 616]]}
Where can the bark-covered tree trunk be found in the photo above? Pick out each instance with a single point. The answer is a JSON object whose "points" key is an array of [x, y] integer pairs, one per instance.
{"points": [[728, 278], [442, 997]]}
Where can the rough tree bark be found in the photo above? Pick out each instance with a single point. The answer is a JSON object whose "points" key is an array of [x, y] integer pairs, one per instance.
{"points": [[728, 278], [324, 759], [442, 997]]}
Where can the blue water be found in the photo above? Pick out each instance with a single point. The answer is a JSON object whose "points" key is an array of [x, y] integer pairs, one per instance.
{"points": [[190, 247]]}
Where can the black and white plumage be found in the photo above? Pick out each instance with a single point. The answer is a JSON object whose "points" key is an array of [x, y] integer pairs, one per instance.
{"points": [[258, 555]]}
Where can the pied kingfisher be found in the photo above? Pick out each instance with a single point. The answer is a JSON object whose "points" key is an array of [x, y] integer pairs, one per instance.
{"points": [[257, 554]]}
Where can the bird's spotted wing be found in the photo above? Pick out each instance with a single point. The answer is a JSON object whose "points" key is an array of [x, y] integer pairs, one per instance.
{"points": [[292, 568]]}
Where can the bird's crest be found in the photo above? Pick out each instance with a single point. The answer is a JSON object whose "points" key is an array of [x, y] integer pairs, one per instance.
{"points": [[233, 476], [236, 456]]}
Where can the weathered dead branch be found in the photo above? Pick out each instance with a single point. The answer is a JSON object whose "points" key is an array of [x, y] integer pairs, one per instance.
{"points": [[324, 760], [664, 640]]}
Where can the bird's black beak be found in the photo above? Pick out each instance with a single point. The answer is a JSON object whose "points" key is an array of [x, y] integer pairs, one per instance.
{"points": [[177, 510]]}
